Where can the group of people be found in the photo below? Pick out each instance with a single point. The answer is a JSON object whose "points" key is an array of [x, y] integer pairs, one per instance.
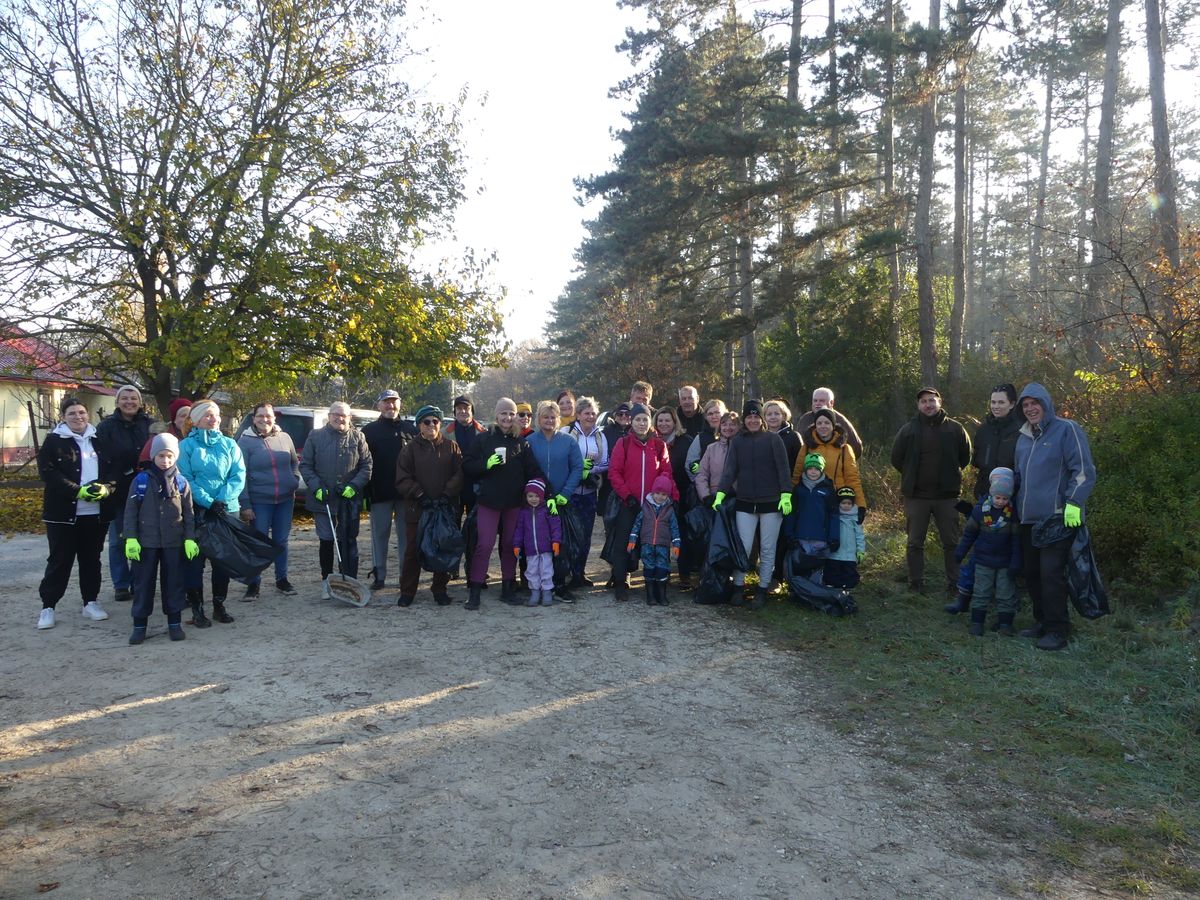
{"points": [[791, 487]]}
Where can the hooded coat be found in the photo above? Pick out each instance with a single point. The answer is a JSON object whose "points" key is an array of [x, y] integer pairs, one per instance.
{"points": [[1053, 463], [841, 464], [60, 465], [272, 466], [213, 465]]}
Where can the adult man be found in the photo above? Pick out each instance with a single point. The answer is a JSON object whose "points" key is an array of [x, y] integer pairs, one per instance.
{"points": [[336, 465], [463, 431], [822, 398], [119, 442], [690, 415], [930, 452], [641, 392], [386, 437]]}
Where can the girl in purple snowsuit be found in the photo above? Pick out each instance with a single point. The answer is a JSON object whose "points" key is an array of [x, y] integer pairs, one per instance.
{"points": [[539, 534]]}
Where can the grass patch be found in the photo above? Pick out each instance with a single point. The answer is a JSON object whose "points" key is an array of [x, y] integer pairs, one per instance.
{"points": [[1101, 741]]}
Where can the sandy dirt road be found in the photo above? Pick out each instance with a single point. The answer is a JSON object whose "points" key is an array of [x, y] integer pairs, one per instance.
{"points": [[318, 750]]}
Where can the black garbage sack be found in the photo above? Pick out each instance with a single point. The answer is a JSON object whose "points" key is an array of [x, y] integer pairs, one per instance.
{"points": [[572, 548], [1084, 583], [725, 550], [804, 585], [439, 538], [239, 550], [470, 535], [612, 509], [713, 587], [699, 524]]}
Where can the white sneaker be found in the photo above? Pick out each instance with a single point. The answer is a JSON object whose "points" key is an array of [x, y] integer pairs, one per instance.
{"points": [[326, 594], [46, 619], [93, 611]]}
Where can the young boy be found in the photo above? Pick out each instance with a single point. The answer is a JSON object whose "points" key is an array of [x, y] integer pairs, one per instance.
{"points": [[992, 530], [539, 534], [658, 530], [159, 532], [841, 568], [813, 526]]}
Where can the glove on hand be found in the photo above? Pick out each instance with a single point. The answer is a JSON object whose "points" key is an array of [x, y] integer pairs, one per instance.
{"points": [[675, 552], [517, 552], [560, 500], [860, 556], [1072, 516], [833, 546], [84, 492], [100, 491], [862, 514], [133, 549], [631, 502], [785, 504], [629, 547], [191, 549], [348, 492], [218, 507], [555, 547], [494, 460], [588, 465], [552, 506], [321, 494], [694, 468], [718, 499]]}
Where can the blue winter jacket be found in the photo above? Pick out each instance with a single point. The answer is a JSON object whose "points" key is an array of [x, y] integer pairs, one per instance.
{"points": [[814, 513], [560, 461], [1054, 467], [854, 541], [213, 466], [997, 544]]}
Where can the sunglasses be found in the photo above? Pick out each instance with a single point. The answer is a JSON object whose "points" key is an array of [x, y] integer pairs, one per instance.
{"points": [[524, 415], [431, 422]]}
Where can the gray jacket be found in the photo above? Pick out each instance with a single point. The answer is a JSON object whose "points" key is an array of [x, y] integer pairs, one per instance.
{"points": [[272, 466], [332, 460], [155, 520]]}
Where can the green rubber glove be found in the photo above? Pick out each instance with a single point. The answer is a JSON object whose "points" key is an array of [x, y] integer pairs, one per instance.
{"points": [[785, 504], [1072, 516], [348, 492], [321, 494], [84, 493], [100, 491], [860, 556], [562, 501], [588, 464], [694, 468], [366, 503], [552, 506], [718, 499], [494, 460], [191, 549], [133, 549]]}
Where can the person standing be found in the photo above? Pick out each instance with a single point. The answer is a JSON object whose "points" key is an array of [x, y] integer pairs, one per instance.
{"points": [[637, 461], [930, 452], [386, 437], [593, 447], [119, 440], [714, 411], [272, 478], [669, 431], [566, 406], [1055, 475], [691, 417], [77, 503], [822, 398], [464, 431], [641, 392], [336, 465], [429, 468], [177, 423], [561, 462]]}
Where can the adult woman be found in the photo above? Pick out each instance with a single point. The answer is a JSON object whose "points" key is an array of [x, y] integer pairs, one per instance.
{"points": [[77, 504], [272, 476], [756, 471], [1055, 475], [637, 460], [841, 465], [712, 464], [499, 463], [593, 447], [213, 465], [777, 416], [177, 423], [566, 407], [429, 468], [559, 457], [714, 410], [669, 430], [119, 440]]}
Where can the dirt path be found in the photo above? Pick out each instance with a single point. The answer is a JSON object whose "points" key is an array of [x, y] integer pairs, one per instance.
{"points": [[313, 750]]}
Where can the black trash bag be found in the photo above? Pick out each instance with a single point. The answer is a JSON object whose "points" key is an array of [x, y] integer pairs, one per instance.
{"points": [[725, 550], [571, 549], [470, 534], [806, 587], [1051, 531], [1084, 583], [612, 509], [239, 550], [439, 539], [713, 587], [699, 523]]}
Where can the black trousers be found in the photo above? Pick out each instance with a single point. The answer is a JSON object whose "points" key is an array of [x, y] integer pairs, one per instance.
{"points": [[168, 564], [82, 543], [622, 527], [1046, 578]]}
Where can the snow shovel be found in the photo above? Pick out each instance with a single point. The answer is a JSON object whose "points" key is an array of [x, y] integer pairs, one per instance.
{"points": [[341, 586]]}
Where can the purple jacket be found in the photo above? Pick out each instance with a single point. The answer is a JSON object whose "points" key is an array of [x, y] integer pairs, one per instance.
{"points": [[537, 531]]}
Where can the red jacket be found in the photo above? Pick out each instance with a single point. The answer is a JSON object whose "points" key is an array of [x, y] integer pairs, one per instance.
{"points": [[633, 467]]}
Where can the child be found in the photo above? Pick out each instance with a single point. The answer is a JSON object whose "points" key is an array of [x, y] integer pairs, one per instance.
{"points": [[539, 534], [659, 531], [813, 525], [841, 568], [992, 530], [159, 532]]}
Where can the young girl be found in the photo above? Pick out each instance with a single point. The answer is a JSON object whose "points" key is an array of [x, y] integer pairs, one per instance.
{"points": [[841, 568], [159, 532], [658, 530], [539, 534]]}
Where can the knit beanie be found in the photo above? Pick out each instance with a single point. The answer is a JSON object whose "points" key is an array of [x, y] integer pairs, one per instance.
{"points": [[824, 413], [662, 483], [752, 408], [199, 408], [129, 387], [639, 409], [429, 410], [846, 493], [814, 461], [164, 441], [524, 408], [536, 486], [176, 405], [1001, 481]]}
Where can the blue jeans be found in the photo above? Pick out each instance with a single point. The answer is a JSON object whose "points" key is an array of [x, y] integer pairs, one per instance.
{"points": [[966, 575], [585, 507], [275, 521], [118, 565]]}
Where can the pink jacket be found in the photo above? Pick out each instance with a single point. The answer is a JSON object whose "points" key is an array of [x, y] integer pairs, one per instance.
{"points": [[633, 467]]}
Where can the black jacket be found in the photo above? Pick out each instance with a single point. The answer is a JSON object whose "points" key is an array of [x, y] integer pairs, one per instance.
{"points": [[756, 467], [955, 453], [119, 442], [60, 466], [386, 438], [995, 445], [503, 486]]}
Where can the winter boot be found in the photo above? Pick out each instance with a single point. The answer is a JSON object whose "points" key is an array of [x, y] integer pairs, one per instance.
{"points": [[196, 602], [175, 632], [660, 588], [219, 611], [473, 598], [621, 589], [508, 592], [760, 598], [960, 604], [138, 634], [651, 595], [1004, 624], [405, 600], [977, 618], [738, 597], [535, 597]]}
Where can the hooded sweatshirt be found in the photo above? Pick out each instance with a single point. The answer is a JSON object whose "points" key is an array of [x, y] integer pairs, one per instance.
{"points": [[65, 462], [1053, 463]]}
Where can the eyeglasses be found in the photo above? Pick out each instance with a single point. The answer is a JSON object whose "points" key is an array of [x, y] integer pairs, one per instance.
{"points": [[524, 415], [431, 422]]}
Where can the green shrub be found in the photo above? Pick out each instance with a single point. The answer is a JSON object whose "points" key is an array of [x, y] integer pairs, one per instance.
{"points": [[1147, 490]]}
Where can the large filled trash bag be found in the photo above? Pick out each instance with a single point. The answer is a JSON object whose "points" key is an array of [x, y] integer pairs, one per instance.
{"points": [[470, 533], [612, 509], [241, 551], [725, 550], [572, 548], [699, 523], [1084, 583], [439, 538], [804, 585], [713, 587]]}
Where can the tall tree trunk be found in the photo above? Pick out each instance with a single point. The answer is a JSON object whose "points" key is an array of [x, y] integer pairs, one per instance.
{"points": [[835, 165], [985, 299], [1165, 217], [1036, 286], [731, 305], [887, 133], [1102, 213], [787, 256], [959, 249], [923, 229], [1082, 196]]}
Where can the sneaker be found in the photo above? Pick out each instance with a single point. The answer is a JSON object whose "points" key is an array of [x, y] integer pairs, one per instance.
{"points": [[285, 587], [563, 596], [92, 610], [326, 594], [251, 593], [123, 595], [46, 619]]}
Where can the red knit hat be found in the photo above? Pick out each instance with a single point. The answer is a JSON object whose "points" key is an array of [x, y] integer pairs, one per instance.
{"points": [[662, 483], [176, 405]]}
